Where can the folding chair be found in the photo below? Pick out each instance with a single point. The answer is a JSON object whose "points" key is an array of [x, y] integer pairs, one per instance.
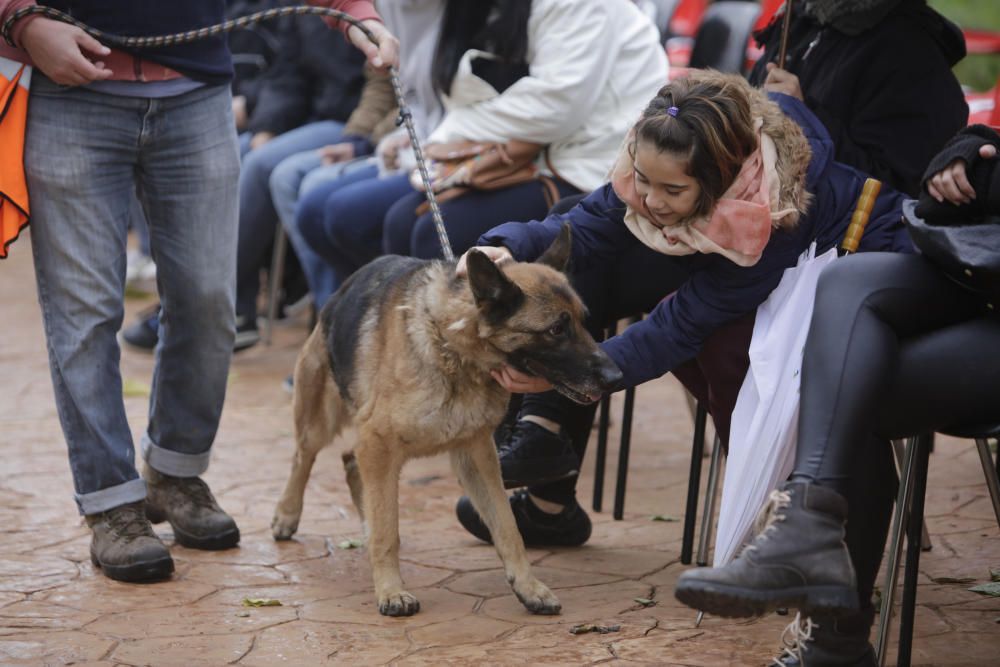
{"points": [[908, 519]]}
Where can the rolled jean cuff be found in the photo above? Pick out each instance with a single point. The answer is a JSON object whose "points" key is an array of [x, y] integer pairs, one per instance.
{"points": [[96, 502], [174, 464]]}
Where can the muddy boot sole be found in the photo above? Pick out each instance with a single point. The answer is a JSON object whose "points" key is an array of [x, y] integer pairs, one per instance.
{"points": [[735, 602], [158, 569]]}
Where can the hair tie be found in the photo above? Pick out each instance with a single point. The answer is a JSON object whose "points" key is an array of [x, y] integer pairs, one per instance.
{"points": [[672, 111]]}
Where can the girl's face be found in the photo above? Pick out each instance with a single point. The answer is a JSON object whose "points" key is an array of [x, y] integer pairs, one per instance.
{"points": [[669, 193]]}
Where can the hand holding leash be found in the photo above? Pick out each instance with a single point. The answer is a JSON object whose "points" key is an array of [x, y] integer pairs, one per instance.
{"points": [[379, 45], [60, 51]]}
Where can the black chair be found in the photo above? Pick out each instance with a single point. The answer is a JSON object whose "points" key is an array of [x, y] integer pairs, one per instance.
{"points": [[908, 519]]}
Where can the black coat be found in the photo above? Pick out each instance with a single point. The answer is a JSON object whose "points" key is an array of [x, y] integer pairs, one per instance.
{"points": [[887, 96], [318, 76]]}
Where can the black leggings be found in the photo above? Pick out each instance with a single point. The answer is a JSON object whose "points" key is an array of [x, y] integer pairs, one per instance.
{"points": [[895, 349]]}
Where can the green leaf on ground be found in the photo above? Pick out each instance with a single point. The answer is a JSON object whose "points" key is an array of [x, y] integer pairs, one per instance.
{"points": [[590, 627], [992, 588], [350, 544], [261, 602], [645, 602], [134, 388], [663, 517]]}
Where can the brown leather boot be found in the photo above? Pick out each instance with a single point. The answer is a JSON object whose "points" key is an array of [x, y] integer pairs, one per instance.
{"points": [[125, 547], [189, 506]]}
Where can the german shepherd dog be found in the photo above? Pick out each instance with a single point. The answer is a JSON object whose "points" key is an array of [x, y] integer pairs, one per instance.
{"points": [[404, 351]]}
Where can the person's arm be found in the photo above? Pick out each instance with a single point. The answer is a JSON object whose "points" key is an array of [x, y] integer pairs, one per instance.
{"points": [[599, 235], [572, 61], [377, 100], [962, 181], [283, 100], [381, 55], [677, 328]]}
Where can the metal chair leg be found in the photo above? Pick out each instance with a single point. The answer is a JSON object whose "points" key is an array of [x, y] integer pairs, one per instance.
{"points": [[694, 482], [603, 425], [895, 549], [925, 536], [276, 276], [990, 472], [913, 552], [707, 515], [623, 453]]}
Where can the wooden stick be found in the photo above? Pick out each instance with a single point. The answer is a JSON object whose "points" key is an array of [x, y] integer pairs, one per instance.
{"points": [[785, 25]]}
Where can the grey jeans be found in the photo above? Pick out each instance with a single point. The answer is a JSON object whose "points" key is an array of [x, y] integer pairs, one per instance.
{"points": [[86, 155]]}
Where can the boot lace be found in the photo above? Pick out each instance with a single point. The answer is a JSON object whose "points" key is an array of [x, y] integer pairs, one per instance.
{"points": [[768, 516], [794, 638], [129, 522]]}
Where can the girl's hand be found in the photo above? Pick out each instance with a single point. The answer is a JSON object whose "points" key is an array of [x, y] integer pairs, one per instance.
{"points": [[952, 183], [517, 382], [782, 81], [498, 254]]}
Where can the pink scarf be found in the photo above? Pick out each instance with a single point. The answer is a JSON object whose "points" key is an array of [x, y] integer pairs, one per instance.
{"points": [[738, 227]]}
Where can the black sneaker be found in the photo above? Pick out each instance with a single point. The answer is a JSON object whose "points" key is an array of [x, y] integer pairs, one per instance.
{"points": [[125, 547], [189, 506], [246, 333], [569, 528], [144, 333], [533, 456]]}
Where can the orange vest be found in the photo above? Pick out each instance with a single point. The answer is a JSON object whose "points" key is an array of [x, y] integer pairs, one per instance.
{"points": [[14, 80]]}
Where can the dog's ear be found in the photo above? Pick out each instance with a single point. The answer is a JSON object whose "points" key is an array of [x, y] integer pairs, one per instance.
{"points": [[496, 295], [557, 254]]}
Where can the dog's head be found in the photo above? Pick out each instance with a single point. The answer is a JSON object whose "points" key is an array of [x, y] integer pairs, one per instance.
{"points": [[532, 315]]}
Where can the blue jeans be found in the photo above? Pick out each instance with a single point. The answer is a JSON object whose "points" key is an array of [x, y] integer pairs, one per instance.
{"points": [[258, 218], [290, 180], [342, 220], [87, 155]]}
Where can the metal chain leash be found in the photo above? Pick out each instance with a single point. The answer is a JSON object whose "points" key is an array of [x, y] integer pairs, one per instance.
{"points": [[405, 115]]}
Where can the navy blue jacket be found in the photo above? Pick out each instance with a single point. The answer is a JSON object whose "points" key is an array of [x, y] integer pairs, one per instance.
{"points": [[717, 290]]}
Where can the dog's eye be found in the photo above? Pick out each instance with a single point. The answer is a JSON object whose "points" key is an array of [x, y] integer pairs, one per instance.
{"points": [[557, 329]]}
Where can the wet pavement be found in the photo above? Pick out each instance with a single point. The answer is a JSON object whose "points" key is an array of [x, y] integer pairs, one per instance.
{"points": [[55, 608]]}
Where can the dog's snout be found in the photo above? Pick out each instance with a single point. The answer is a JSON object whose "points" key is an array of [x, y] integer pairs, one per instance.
{"points": [[608, 374]]}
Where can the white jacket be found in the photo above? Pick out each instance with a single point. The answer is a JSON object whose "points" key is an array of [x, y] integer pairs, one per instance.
{"points": [[594, 65]]}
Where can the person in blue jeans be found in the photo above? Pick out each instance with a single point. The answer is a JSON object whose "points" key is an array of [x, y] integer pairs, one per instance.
{"points": [[102, 126]]}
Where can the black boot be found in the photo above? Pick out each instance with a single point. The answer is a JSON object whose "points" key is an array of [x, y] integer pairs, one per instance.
{"points": [[798, 560], [533, 456], [825, 641], [570, 528], [189, 506], [125, 547]]}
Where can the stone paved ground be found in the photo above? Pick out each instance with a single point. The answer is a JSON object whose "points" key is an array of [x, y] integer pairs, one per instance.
{"points": [[56, 609]]}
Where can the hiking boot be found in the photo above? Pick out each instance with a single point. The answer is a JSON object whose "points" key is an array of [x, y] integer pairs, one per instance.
{"points": [[124, 546], [799, 559], [532, 456], [828, 642], [570, 528], [144, 333], [190, 507]]}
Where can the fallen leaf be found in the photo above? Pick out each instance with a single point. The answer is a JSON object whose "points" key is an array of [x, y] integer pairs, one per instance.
{"points": [[953, 580], [350, 544], [589, 627], [134, 388], [645, 602], [663, 517], [992, 588], [261, 602]]}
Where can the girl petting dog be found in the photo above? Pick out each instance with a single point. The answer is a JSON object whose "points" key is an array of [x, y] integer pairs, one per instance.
{"points": [[717, 190]]}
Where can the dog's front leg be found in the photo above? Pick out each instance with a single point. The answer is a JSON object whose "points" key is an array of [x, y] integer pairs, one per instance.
{"points": [[478, 469], [379, 467]]}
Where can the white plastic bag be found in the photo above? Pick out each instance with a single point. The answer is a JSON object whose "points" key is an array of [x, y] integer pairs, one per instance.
{"points": [[765, 419]]}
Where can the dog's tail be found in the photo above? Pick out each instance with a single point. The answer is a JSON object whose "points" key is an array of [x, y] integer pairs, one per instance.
{"points": [[353, 480]]}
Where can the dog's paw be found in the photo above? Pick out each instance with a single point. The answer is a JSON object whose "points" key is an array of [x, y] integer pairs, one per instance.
{"points": [[537, 598], [398, 604], [283, 526]]}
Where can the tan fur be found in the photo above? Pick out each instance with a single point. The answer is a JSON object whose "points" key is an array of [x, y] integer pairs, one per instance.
{"points": [[421, 386]]}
